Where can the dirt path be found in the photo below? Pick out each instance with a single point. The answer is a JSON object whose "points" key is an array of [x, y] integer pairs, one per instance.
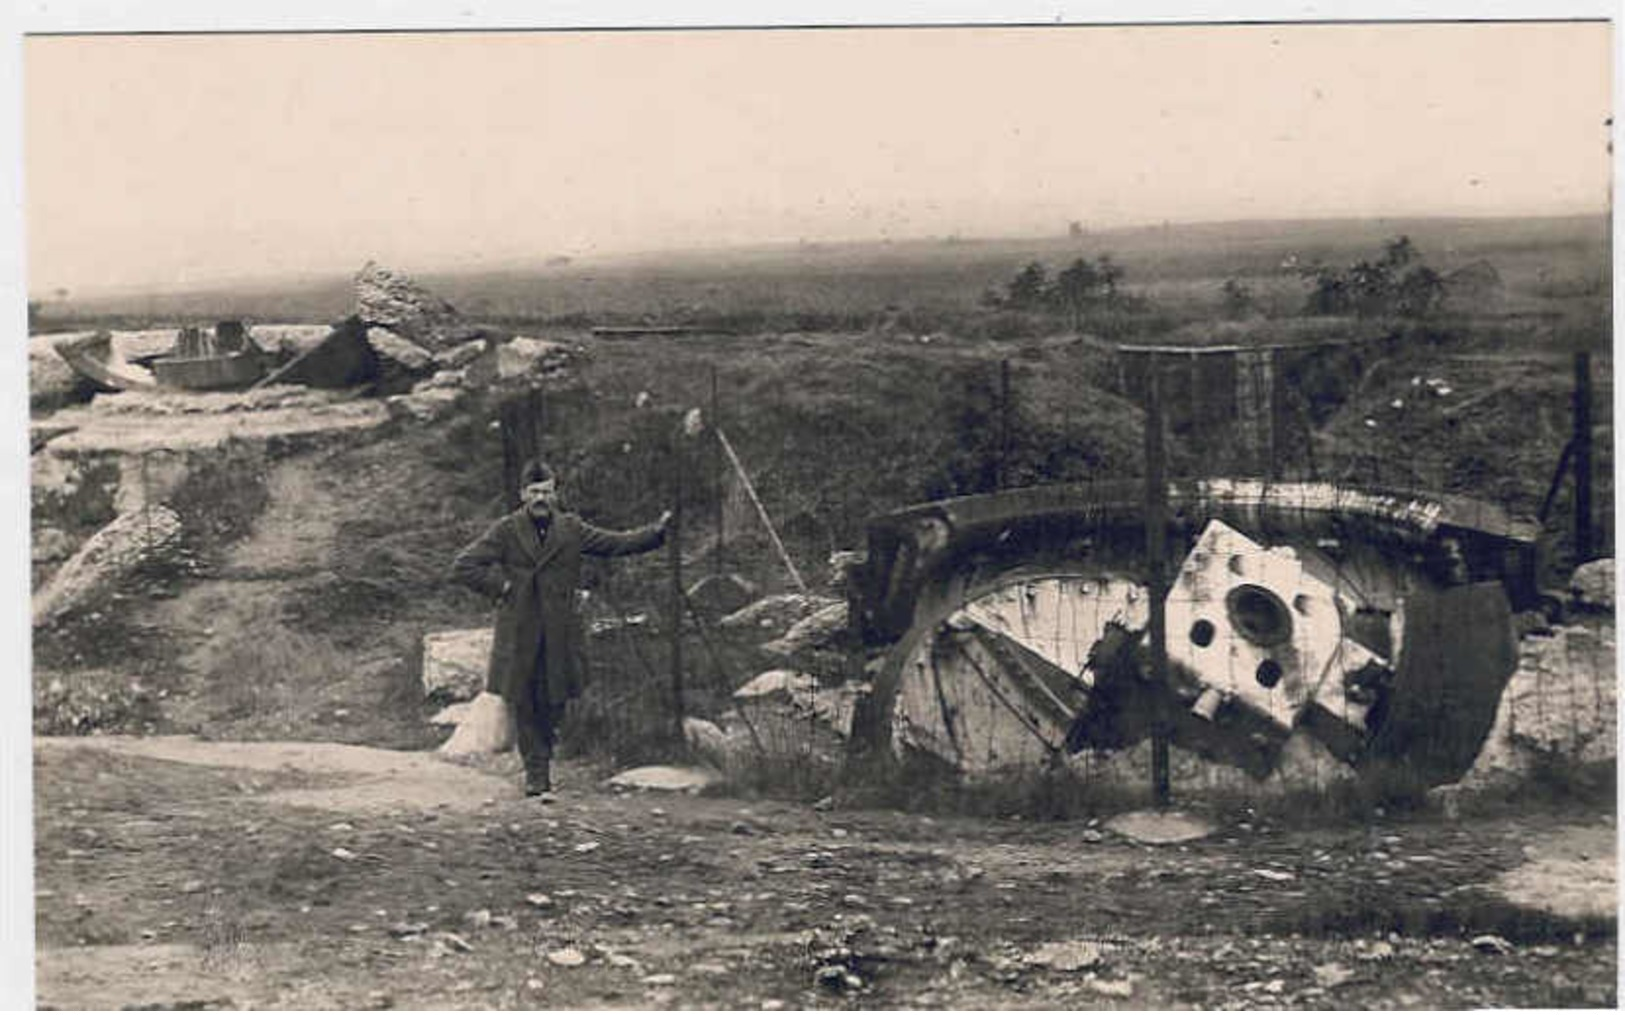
{"points": [[172, 871]]}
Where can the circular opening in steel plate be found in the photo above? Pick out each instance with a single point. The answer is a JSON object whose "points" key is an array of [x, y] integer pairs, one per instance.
{"points": [[1258, 615]]}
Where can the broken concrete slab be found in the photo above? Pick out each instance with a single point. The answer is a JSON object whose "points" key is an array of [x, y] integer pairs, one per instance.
{"points": [[106, 558], [393, 300], [1571, 873], [786, 714], [1160, 828], [401, 353], [140, 422], [425, 405], [462, 355], [820, 630], [521, 357], [51, 381], [452, 715], [665, 778], [1560, 705], [455, 663], [798, 695], [1066, 956], [776, 614], [94, 358], [486, 728]]}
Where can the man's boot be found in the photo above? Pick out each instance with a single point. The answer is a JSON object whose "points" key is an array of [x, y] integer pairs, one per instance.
{"points": [[538, 777]]}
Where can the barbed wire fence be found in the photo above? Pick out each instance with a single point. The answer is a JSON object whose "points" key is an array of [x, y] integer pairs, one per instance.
{"points": [[1274, 415]]}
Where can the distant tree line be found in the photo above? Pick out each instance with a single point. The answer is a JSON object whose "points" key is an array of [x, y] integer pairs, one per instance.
{"points": [[1080, 287], [1397, 284]]}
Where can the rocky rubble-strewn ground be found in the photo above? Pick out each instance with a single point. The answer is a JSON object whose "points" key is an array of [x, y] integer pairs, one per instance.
{"points": [[232, 881]]}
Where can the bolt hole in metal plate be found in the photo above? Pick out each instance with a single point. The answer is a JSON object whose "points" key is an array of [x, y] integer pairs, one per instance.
{"points": [[1269, 673], [1202, 633]]}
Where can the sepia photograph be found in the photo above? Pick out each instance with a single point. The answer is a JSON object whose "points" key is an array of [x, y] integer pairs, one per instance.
{"points": [[1046, 515]]}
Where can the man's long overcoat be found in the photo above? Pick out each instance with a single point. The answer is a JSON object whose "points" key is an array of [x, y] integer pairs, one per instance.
{"points": [[538, 633]]}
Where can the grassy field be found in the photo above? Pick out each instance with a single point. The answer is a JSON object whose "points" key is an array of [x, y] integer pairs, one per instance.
{"points": [[1550, 266]]}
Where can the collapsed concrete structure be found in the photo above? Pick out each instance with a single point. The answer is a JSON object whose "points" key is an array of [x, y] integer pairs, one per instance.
{"points": [[148, 405]]}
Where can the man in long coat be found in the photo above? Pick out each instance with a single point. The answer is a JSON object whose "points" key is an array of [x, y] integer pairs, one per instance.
{"points": [[529, 561]]}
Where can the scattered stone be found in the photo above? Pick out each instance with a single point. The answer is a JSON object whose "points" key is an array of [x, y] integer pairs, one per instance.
{"points": [[660, 979], [405, 929], [131, 540], [342, 853], [460, 356], [820, 630], [1377, 951], [837, 978], [1159, 828], [718, 595], [1065, 956], [535, 983], [665, 778], [1274, 875], [1492, 944], [455, 942], [1112, 988], [454, 663], [423, 405], [1332, 974], [522, 357], [723, 748], [1593, 584], [50, 545], [541, 900], [587, 847], [793, 713], [567, 957], [478, 918], [824, 804]]}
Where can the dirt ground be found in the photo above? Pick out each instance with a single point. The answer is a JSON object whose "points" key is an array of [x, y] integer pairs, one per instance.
{"points": [[172, 872]]}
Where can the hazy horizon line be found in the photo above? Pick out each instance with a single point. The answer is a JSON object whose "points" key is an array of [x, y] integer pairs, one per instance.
{"points": [[610, 257]]}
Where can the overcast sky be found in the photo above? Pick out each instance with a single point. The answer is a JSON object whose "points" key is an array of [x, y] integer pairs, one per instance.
{"points": [[167, 160]]}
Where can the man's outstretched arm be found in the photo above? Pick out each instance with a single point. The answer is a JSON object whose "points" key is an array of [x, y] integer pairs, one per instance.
{"points": [[598, 542]]}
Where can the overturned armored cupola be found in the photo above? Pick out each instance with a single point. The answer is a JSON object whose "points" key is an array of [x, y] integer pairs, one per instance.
{"points": [[389, 299]]}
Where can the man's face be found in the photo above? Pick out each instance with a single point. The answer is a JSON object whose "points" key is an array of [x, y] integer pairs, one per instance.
{"points": [[539, 498]]}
